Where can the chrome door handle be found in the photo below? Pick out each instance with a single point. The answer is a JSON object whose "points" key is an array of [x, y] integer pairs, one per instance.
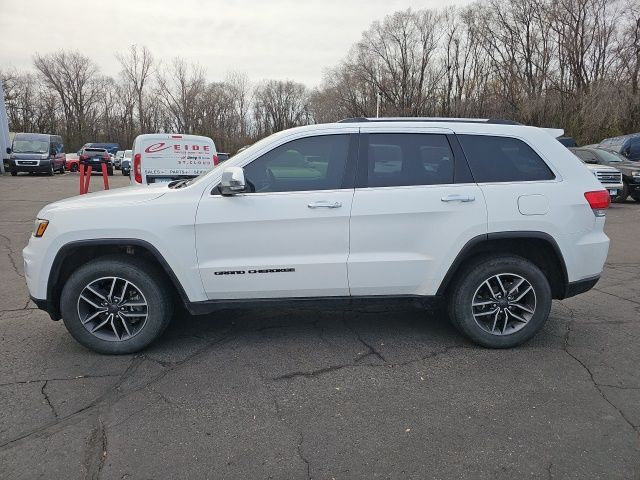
{"points": [[458, 198], [324, 204]]}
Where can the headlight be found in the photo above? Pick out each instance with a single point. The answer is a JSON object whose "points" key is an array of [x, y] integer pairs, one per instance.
{"points": [[40, 227]]}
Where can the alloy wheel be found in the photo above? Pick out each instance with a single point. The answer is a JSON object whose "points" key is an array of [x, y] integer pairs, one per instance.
{"points": [[112, 309], [503, 304]]}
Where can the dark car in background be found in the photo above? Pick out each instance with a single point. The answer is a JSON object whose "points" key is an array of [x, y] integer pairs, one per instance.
{"points": [[125, 163], [37, 153], [125, 166], [567, 141], [630, 170], [94, 157], [627, 145], [111, 148]]}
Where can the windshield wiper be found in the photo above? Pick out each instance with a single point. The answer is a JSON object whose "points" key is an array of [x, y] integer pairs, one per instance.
{"points": [[179, 183]]}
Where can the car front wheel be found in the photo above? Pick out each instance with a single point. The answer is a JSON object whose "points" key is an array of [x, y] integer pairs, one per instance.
{"points": [[622, 196], [500, 302], [116, 304]]}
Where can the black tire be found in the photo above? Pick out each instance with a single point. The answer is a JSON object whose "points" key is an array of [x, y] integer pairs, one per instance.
{"points": [[468, 283], [51, 170], [62, 168], [622, 197], [74, 167], [14, 173], [126, 174], [636, 197], [145, 277], [110, 171]]}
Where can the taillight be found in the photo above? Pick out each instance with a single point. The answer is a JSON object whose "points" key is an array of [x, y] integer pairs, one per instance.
{"points": [[599, 201], [137, 172], [215, 160]]}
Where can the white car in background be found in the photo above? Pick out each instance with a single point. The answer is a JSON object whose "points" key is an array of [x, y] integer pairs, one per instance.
{"points": [[163, 157], [609, 177], [117, 159]]}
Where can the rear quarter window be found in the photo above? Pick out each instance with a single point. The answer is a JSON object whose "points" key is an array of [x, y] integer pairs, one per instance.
{"points": [[503, 159]]}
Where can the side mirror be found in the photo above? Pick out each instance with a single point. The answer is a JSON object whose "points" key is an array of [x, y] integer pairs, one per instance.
{"points": [[233, 181], [9, 150]]}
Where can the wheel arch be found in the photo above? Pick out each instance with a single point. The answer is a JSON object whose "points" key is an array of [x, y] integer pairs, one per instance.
{"points": [[76, 253], [537, 247]]}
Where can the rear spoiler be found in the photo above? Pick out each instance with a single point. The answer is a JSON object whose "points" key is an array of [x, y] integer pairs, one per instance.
{"points": [[555, 132]]}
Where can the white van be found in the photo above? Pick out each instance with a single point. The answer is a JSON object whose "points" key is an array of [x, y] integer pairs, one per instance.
{"points": [[164, 157]]}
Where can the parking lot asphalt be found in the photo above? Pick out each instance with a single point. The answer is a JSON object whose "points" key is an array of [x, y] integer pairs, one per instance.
{"points": [[336, 394]]}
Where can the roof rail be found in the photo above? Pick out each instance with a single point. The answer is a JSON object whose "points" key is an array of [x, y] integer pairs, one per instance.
{"points": [[493, 121]]}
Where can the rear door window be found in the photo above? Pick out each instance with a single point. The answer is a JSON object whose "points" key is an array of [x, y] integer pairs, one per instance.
{"points": [[503, 159], [402, 159]]}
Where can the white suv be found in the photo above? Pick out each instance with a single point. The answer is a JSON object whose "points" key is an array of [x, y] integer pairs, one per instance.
{"points": [[496, 218]]}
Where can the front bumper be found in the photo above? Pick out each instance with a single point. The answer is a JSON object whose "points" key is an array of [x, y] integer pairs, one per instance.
{"points": [[634, 188], [46, 306], [42, 166], [613, 186]]}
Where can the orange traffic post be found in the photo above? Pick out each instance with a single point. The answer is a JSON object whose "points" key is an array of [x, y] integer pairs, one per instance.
{"points": [[105, 175], [81, 178]]}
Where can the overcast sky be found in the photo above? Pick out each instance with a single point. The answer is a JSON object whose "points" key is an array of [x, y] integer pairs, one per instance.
{"points": [[280, 39]]}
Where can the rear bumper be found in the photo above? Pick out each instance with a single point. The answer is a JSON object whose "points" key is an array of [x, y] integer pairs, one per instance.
{"points": [[580, 286]]}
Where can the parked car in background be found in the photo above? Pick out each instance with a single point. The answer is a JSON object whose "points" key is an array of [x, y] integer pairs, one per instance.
{"points": [[630, 171], [117, 159], [223, 157], [126, 162], [71, 161], [164, 157], [567, 141], [95, 157], [109, 147], [37, 153], [609, 177], [125, 166], [627, 145]]}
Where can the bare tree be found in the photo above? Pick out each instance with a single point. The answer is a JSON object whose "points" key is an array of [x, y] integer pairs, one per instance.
{"points": [[73, 77], [279, 105], [181, 89], [138, 68]]}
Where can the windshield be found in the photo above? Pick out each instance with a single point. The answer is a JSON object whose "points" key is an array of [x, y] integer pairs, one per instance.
{"points": [[610, 157], [30, 146]]}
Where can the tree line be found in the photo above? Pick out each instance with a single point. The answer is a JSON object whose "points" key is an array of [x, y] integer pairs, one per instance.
{"points": [[573, 64]]}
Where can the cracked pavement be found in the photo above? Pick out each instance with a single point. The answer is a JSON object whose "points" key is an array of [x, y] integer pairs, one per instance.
{"points": [[388, 392]]}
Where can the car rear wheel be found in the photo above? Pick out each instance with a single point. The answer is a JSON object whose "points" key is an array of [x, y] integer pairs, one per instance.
{"points": [[116, 304], [500, 302], [74, 167]]}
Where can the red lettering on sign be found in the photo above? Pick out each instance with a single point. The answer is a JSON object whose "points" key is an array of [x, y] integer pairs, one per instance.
{"points": [[156, 147]]}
